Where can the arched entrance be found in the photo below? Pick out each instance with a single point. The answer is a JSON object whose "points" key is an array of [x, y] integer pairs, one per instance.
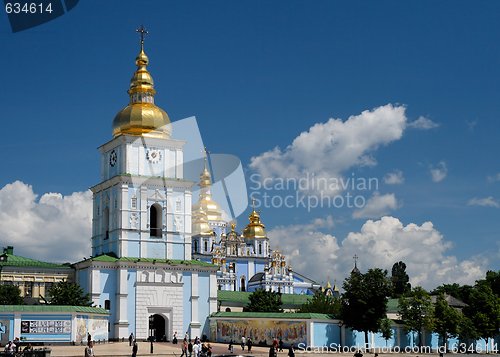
{"points": [[157, 327]]}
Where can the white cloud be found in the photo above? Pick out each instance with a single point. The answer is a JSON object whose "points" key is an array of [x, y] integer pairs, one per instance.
{"points": [[377, 206], [484, 202], [394, 178], [423, 123], [53, 228], [439, 172], [380, 244], [328, 149], [494, 178]]}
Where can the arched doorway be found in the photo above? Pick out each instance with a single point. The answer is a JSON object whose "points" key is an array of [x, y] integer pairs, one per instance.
{"points": [[157, 327]]}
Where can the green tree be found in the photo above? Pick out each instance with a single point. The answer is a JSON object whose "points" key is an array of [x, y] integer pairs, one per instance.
{"points": [[416, 311], [467, 332], [386, 329], [461, 292], [264, 301], [400, 280], [484, 310], [322, 304], [493, 279], [446, 320], [10, 295], [66, 293], [364, 301]]}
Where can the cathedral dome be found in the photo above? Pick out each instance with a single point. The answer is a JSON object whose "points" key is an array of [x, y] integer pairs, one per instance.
{"points": [[254, 229], [142, 117], [205, 201]]}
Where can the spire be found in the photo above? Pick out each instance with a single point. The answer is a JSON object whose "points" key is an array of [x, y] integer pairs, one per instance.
{"points": [[142, 117], [355, 269]]}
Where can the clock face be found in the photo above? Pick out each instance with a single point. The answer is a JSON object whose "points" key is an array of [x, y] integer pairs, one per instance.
{"points": [[113, 157], [153, 155]]}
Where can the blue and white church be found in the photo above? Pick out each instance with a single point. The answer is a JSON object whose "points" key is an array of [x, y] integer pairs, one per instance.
{"points": [[158, 259], [141, 268]]}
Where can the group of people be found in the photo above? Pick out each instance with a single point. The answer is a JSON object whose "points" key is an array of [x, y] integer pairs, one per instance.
{"points": [[196, 348], [13, 347], [277, 346]]}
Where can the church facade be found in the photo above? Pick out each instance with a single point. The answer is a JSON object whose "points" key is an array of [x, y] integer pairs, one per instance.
{"points": [[141, 268], [158, 259]]}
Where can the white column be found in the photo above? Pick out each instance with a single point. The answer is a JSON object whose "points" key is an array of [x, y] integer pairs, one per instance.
{"points": [[95, 285], [195, 323], [123, 219], [121, 322], [213, 293], [179, 164]]}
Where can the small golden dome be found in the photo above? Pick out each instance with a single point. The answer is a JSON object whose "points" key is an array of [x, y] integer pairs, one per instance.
{"points": [[205, 201], [142, 117], [200, 223], [255, 229]]}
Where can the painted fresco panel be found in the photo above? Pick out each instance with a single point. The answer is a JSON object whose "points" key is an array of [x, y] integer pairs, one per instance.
{"points": [[262, 331]]}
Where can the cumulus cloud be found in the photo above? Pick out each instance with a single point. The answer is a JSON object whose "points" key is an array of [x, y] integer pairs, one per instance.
{"points": [[484, 202], [394, 178], [328, 149], [423, 123], [439, 172], [378, 205], [50, 228], [494, 178], [379, 243]]}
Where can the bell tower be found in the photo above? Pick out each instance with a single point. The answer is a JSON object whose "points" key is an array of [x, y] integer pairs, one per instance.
{"points": [[142, 206]]}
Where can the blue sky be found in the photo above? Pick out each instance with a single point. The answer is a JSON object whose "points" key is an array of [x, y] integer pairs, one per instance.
{"points": [[257, 74]]}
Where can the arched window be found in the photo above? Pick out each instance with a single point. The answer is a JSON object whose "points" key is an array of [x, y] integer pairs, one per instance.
{"points": [[105, 223], [206, 246], [155, 220], [195, 246], [260, 248], [242, 286]]}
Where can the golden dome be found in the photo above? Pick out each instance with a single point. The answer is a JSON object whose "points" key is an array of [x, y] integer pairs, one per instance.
{"points": [[142, 117], [200, 223], [255, 229], [205, 202]]}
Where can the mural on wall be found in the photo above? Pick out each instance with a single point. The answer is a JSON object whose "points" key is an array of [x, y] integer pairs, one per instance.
{"points": [[4, 331], [44, 327], [81, 329], [262, 331], [98, 329]]}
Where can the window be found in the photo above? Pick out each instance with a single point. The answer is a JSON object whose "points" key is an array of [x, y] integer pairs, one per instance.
{"points": [[155, 220], [195, 246], [105, 223], [134, 203], [107, 304], [206, 246], [178, 206], [28, 289], [260, 248], [242, 286]]}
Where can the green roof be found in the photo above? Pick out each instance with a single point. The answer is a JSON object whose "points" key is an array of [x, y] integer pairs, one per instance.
{"points": [[274, 315], [111, 259], [393, 305], [242, 298], [53, 308], [7, 259]]}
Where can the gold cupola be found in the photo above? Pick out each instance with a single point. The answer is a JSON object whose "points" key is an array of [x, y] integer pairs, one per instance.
{"points": [[200, 223], [205, 202], [254, 229], [141, 117]]}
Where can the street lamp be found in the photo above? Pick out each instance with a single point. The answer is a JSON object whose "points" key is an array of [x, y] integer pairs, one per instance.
{"points": [[151, 327], [340, 324]]}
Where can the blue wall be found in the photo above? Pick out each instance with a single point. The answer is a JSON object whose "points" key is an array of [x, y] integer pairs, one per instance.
{"points": [[131, 279], [203, 304], [187, 300], [325, 334]]}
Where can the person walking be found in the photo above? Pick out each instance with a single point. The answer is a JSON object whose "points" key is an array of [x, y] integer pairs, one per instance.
{"points": [[134, 349], [230, 347], [291, 352], [190, 348], [184, 348], [243, 343], [89, 350], [130, 339], [249, 344]]}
